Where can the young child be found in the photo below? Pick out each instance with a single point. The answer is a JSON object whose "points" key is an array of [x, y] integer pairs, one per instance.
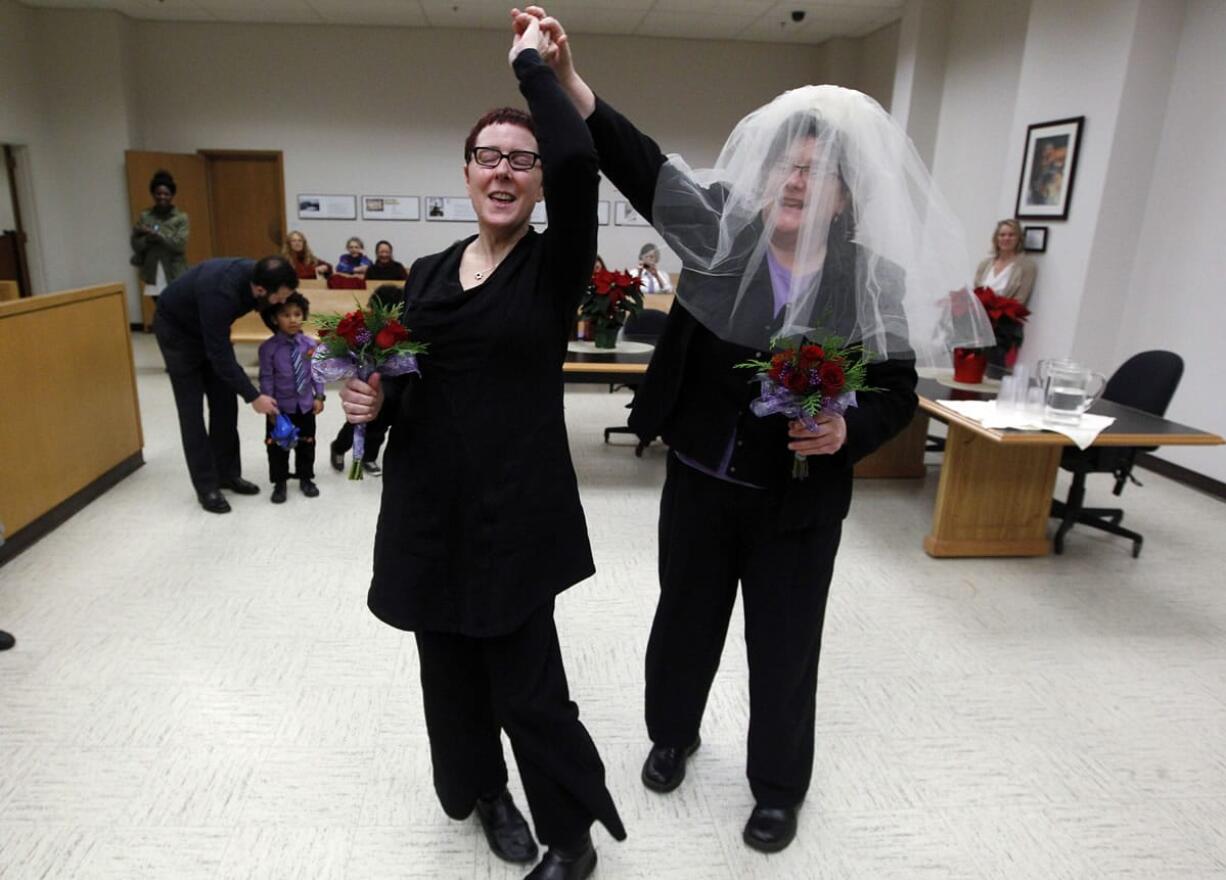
{"points": [[385, 295], [285, 375]]}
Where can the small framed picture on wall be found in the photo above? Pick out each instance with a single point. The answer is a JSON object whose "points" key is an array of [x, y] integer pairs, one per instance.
{"points": [[1049, 164], [1034, 239]]}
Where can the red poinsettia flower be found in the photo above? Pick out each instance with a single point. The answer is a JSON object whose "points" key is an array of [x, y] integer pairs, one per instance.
{"points": [[603, 281]]}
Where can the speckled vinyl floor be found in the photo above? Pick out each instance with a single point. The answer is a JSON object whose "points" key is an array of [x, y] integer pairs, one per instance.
{"points": [[195, 696]]}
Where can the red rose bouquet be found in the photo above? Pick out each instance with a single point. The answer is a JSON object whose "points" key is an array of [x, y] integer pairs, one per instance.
{"points": [[800, 381], [359, 343], [611, 298]]}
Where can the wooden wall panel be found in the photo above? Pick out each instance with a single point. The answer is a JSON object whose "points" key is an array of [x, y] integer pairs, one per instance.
{"points": [[69, 410]]}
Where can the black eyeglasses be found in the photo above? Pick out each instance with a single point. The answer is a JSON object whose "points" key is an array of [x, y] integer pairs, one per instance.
{"points": [[519, 160]]}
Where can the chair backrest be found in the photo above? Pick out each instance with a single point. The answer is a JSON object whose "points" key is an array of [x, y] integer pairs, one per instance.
{"points": [[1146, 381], [646, 326]]}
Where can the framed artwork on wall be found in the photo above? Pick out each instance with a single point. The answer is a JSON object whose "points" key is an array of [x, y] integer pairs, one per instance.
{"points": [[1049, 164], [1034, 239], [391, 208], [320, 206]]}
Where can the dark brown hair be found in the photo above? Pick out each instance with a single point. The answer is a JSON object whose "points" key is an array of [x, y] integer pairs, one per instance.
{"points": [[504, 115]]}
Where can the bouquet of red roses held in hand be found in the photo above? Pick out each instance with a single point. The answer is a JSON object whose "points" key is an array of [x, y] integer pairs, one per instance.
{"points": [[359, 343], [805, 379]]}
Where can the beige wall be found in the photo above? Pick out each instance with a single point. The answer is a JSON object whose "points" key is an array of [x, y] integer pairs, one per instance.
{"points": [[386, 110], [355, 110]]}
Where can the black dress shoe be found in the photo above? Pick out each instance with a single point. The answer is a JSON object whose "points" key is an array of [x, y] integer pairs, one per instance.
{"points": [[278, 493], [214, 502], [508, 834], [309, 489], [372, 468], [337, 460], [241, 486], [664, 768], [575, 862], [6, 641], [770, 829]]}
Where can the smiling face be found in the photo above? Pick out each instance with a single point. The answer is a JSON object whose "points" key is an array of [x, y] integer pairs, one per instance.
{"points": [[1007, 241], [354, 247], [802, 186], [383, 253], [502, 197], [162, 197], [297, 243], [289, 320]]}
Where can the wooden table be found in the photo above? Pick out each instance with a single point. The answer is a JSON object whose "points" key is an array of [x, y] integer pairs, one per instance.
{"points": [[604, 369], [995, 493]]}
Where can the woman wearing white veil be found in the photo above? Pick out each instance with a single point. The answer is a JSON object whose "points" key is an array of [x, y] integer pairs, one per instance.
{"points": [[818, 219]]}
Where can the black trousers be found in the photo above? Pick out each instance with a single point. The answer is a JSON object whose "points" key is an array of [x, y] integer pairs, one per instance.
{"points": [[473, 688], [304, 452], [212, 453], [712, 535], [376, 430]]}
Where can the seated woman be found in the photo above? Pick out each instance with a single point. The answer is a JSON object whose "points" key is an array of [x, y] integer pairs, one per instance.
{"points": [[353, 261], [385, 268], [651, 279], [1008, 271], [303, 259]]}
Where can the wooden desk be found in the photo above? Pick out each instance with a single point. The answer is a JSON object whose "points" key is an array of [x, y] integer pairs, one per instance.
{"points": [[994, 497], [69, 415]]}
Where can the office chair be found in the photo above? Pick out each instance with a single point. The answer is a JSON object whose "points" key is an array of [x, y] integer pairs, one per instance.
{"points": [[646, 326], [1146, 381]]}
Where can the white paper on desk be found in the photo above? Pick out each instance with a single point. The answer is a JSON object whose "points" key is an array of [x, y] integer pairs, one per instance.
{"points": [[988, 414]]}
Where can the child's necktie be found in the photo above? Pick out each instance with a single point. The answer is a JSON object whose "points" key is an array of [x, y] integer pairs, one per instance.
{"points": [[300, 373]]}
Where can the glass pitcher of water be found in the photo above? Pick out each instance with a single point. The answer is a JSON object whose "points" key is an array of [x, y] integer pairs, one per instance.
{"points": [[1066, 390]]}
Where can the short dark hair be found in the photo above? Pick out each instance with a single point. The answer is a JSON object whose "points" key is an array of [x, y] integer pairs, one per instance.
{"points": [[386, 242], [269, 314], [274, 272], [162, 177], [499, 115], [387, 295]]}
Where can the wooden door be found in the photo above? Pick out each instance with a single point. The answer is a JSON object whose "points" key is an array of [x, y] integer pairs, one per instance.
{"points": [[247, 188], [189, 172]]}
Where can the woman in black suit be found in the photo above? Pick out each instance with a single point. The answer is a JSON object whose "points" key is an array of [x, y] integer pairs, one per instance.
{"points": [[771, 244], [480, 528]]}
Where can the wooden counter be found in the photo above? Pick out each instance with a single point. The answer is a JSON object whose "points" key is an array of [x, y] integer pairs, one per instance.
{"points": [[69, 415]]}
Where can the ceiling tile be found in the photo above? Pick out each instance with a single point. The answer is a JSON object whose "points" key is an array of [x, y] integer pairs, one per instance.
{"points": [[402, 13], [272, 11], [694, 26]]}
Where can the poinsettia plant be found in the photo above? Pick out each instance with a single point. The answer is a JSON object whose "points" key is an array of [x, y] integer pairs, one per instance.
{"points": [[1006, 314], [611, 298]]}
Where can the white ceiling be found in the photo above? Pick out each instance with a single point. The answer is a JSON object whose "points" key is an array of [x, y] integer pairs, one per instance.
{"points": [[756, 20]]}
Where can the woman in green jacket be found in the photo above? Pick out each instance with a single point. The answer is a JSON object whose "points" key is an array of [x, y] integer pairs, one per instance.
{"points": [[159, 238]]}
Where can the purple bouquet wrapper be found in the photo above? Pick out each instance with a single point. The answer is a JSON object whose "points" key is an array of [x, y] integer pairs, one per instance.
{"points": [[338, 369]]}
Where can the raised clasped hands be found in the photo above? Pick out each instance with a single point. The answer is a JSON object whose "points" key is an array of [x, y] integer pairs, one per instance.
{"points": [[828, 439], [529, 35]]}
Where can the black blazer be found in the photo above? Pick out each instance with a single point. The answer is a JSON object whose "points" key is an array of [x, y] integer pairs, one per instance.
{"points": [[692, 395]]}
